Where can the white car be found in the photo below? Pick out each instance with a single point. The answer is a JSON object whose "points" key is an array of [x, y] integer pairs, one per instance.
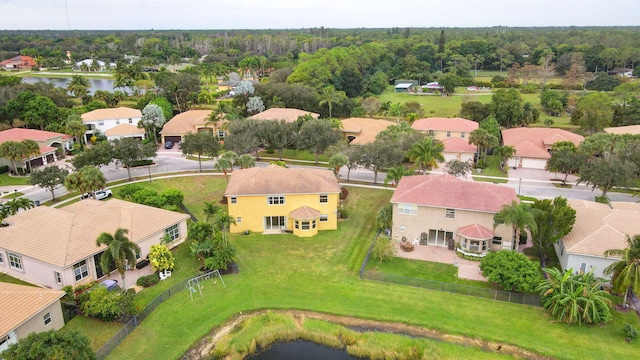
{"points": [[100, 194]]}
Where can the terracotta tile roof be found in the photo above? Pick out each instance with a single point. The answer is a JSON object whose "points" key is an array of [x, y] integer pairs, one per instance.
{"points": [[365, 130], [112, 113], [445, 124], [20, 61], [275, 179], [476, 232], [288, 115], [598, 229], [631, 129], [457, 145], [19, 134], [62, 237], [304, 213], [19, 303], [46, 149], [124, 129], [186, 122], [446, 191], [534, 142]]}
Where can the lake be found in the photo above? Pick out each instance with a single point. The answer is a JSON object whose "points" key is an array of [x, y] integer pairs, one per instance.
{"points": [[94, 84], [301, 350]]}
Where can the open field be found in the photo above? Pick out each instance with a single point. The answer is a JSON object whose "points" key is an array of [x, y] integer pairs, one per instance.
{"points": [[320, 274]]}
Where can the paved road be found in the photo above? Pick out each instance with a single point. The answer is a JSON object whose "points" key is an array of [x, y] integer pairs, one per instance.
{"points": [[171, 162]]}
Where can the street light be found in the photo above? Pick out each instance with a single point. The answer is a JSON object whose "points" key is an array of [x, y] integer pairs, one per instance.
{"points": [[149, 168], [519, 183]]}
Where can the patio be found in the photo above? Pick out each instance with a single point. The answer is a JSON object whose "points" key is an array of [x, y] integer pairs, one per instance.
{"points": [[130, 277], [467, 269]]}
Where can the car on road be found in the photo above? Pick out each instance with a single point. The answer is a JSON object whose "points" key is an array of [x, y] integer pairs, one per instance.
{"points": [[168, 145], [100, 194]]}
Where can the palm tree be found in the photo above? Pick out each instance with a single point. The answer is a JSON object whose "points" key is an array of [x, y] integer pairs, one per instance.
{"points": [[86, 180], [519, 217], [426, 153], [211, 210], [31, 148], [78, 86], [483, 140], [17, 204], [504, 153], [224, 221], [120, 251], [223, 164], [329, 96], [245, 161], [626, 271], [14, 151], [394, 174]]}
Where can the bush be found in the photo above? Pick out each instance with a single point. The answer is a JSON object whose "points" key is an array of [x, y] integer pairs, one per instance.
{"points": [[142, 162], [160, 258], [147, 281], [126, 192], [383, 249], [343, 213], [109, 305], [173, 196], [529, 89], [511, 270], [4, 169], [630, 332], [51, 345]]}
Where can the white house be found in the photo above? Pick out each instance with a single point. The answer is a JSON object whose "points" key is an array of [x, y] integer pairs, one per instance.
{"points": [[89, 64], [102, 120]]}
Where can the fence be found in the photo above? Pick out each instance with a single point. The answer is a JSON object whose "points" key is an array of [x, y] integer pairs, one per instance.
{"points": [[498, 295]]}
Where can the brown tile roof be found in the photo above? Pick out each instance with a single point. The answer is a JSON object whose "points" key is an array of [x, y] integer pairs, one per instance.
{"points": [[457, 145], [304, 213], [186, 122], [365, 130], [446, 191], [20, 61], [288, 115], [445, 124], [124, 129], [112, 113], [533, 142], [631, 129], [19, 134], [275, 179], [19, 303], [598, 229], [62, 237], [476, 232]]}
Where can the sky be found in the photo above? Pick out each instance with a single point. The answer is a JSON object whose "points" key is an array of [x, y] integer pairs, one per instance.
{"points": [[294, 14]]}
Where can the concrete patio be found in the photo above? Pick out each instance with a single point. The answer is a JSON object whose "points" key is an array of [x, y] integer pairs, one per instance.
{"points": [[130, 276], [467, 269]]}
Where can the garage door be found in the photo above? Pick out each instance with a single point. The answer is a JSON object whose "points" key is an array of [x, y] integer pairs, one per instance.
{"points": [[449, 156], [528, 163], [36, 162], [174, 139], [50, 158]]}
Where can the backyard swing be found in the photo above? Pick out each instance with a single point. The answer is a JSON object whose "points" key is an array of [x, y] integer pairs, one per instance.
{"points": [[193, 285]]}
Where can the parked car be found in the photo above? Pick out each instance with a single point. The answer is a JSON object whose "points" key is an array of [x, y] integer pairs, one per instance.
{"points": [[100, 194], [168, 145]]}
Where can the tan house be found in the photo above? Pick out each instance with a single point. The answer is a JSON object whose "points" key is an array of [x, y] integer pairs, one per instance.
{"points": [[125, 130], [458, 149], [598, 228], [57, 247], [621, 130], [103, 120], [444, 128], [360, 131], [51, 144], [288, 115], [191, 121], [274, 199], [532, 145], [443, 210], [27, 309]]}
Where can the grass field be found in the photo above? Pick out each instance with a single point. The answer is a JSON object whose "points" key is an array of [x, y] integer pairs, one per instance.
{"points": [[320, 274], [6, 180], [492, 169]]}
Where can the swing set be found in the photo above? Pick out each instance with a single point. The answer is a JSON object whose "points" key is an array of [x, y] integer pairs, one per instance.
{"points": [[193, 285]]}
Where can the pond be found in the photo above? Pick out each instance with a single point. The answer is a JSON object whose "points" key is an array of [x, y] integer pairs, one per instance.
{"points": [[94, 84], [301, 350]]}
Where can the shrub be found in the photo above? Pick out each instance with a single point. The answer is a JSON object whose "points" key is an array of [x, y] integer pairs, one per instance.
{"points": [[147, 281], [141, 195], [127, 191], [4, 169], [173, 196], [109, 305], [529, 89], [157, 201], [511, 270], [160, 258], [630, 332], [51, 345], [603, 199], [142, 162], [343, 213], [383, 249]]}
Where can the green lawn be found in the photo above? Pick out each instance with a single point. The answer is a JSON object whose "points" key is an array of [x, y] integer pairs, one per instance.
{"points": [[435, 106], [9, 279], [290, 154], [6, 180], [99, 332], [492, 169], [320, 274]]}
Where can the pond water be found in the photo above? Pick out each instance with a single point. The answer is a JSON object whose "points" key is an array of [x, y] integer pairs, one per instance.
{"points": [[301, 350], [94, 84]]}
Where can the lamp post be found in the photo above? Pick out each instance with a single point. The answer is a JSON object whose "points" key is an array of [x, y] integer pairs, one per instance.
{"points": [[149, 168], [519, 183]]}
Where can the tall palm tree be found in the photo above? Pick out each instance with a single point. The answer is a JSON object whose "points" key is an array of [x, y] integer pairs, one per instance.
{"points": [[31, 148], [120, 251], [504, 153], [396, 173], [14, 151], [483, 140], [626, 271], [17, 204], [211, 210], [223, 164], [519, 216], [329, 96], [426, 153], [224, 221]]}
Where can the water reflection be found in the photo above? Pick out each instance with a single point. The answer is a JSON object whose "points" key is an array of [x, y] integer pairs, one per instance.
{"points": [[94, 83], [301, 350]]}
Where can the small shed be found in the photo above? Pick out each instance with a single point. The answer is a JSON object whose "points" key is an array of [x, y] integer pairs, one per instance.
{"points": [[403, 87]]}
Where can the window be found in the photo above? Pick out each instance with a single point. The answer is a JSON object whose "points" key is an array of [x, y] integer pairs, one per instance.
{"points": [[81, 270], [297, 225], [464, 243], [47, 319], [238, 220], [324, 198], [117, 121], [583, 268], [233, 200], [462, 135], [173, 232], [15, 261], [408, 209], [305, 225], [1, 259], [221, 134], [324, 218], [431, 133], [58, 277], [496, 240], [313, 224], [450, 213], [448, 133], [130, 121], [101, 123], [275, 200]]}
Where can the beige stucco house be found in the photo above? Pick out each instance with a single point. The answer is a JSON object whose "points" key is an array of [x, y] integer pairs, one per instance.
{"points": [[533, 145], [191, 121], [57, 247], [598, 228], [360, 131], [442, 210], [444, 128], [458, 149], [103, 120], [286, 114], [27, 309], [51, 145]]}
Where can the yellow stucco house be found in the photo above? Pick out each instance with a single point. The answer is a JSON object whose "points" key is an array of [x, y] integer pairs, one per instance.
{"points": [[274, 199]]}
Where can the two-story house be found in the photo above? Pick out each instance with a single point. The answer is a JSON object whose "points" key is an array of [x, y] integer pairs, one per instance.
{"points": [[275, 199], [445, 128], [114, 123], [442, 210]]}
